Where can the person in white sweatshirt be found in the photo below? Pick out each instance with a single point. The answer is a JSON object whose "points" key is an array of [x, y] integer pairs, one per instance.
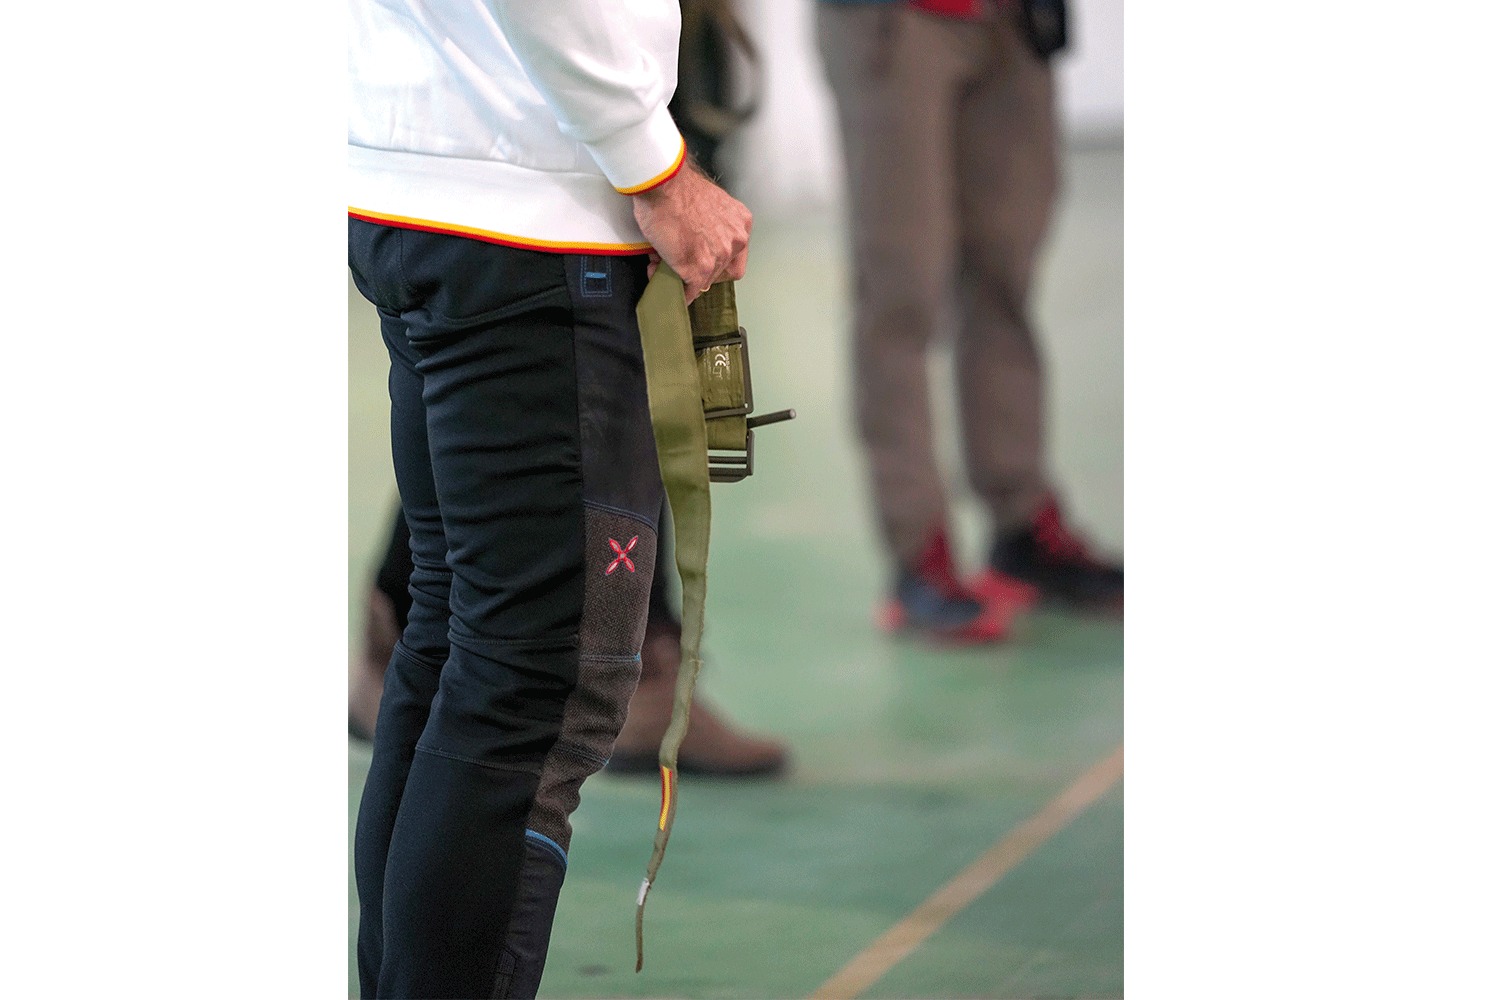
{"points": [[515, 178]]}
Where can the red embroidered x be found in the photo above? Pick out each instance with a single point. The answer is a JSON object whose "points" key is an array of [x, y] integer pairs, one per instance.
{"points": [[620, 555]]}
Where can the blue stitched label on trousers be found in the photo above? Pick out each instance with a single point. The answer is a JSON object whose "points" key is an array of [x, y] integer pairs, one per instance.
{"points": [[594, 280]]}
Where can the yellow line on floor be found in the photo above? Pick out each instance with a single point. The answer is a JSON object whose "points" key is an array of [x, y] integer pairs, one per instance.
{"points": [[917, 926]]}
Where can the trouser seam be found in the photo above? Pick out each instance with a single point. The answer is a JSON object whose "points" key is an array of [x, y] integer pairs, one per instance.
{"points": [[413, 657], [579, 753], [620, 511], [474, 760]]}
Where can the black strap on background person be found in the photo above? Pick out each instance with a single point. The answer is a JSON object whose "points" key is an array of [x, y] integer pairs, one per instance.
{"points": [[711, 99], [1046, 25]]}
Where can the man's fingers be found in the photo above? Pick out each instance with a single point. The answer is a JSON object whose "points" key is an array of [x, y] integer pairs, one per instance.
{"points": [[697, 229], [736, 269], [693, 289], [700, 273], [701, 278]]}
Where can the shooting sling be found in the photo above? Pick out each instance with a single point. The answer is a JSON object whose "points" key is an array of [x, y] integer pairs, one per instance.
{"points": [[698, 382]]}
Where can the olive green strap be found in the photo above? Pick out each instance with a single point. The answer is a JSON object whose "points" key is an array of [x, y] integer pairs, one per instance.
{"points": [[682, 451]]}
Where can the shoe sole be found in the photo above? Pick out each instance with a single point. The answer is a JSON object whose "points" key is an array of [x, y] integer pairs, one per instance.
{"points": [[892, 619], [1016, 595], [1004, 592]]}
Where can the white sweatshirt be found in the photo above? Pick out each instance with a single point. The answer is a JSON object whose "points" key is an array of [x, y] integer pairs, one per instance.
{"points": [[523, 122]]}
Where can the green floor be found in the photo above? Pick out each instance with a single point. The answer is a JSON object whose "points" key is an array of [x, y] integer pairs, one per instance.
{"points": [[910, 762]]}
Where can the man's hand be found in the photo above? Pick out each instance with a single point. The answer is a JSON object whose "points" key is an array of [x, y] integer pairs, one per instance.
{"points": [[696, 227]]}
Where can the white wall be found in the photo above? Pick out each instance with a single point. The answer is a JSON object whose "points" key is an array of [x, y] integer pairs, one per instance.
{"points": [[1091, 74], [787, 157]]}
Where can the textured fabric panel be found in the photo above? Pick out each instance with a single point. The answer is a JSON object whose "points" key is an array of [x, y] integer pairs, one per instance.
{"points": [[591, 721], [619, 558]]}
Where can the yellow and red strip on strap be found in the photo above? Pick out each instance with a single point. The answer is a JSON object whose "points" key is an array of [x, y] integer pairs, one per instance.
{"points": [[668, 790]]}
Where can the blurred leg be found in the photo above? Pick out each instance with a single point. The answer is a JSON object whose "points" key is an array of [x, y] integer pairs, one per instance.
{"points": [[1008, 183], [899, 76], [385, 617], [394, 575], [1007, 187], [895, 73]]}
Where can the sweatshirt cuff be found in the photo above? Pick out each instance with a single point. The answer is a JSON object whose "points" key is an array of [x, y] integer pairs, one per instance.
{"points": [[640, 157]]}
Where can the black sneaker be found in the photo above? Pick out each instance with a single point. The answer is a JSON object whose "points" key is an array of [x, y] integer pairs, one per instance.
{"points": [[1045, 555]]}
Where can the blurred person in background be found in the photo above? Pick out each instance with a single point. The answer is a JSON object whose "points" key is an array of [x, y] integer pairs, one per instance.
{"points": [[513, 169], [949, 133]]}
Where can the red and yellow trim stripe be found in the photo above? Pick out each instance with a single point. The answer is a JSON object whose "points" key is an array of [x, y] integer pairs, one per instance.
{"points": [[488, 236], [662, 177], [666, 797]]}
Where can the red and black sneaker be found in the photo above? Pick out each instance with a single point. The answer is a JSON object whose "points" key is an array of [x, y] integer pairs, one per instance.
{"points": [[929, 601], [1054, 564]]}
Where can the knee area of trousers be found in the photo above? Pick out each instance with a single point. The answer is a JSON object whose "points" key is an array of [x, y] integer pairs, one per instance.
{"points": [[899, 322], [498, 711], [547, 663], [515, 688]]}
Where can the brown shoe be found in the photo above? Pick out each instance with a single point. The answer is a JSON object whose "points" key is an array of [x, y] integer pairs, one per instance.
{"points": [[712, 747]]}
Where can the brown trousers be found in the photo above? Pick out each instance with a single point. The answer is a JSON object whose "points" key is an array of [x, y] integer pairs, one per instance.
{"points": [[951, 155]]}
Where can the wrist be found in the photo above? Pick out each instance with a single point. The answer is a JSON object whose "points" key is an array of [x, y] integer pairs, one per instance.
{"points": [[668, 189]]}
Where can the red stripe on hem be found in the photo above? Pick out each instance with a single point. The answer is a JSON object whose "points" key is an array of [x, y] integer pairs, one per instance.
{"points": [[583, 248]]}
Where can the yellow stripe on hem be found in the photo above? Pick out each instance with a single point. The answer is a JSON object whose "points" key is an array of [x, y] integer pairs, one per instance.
{"points": [[662, 177], [489, 236]]}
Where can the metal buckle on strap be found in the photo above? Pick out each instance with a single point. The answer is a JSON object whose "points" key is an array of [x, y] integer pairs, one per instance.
{"points": [[728, 401]]}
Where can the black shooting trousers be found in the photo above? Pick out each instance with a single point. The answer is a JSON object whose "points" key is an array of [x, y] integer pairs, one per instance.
{"points": [[523, 452]]}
